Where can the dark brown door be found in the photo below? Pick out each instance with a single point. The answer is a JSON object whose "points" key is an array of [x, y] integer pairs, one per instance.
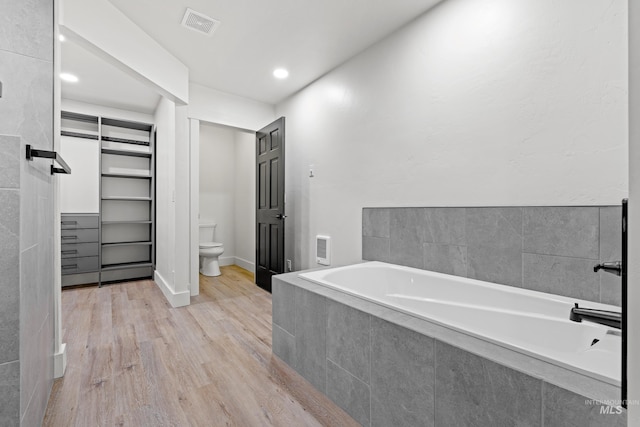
{"points": [[269, 203]]}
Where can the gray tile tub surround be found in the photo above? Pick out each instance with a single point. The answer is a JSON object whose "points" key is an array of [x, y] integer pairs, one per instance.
{"points": [[549, 249], [379, 373], [414, 379]]}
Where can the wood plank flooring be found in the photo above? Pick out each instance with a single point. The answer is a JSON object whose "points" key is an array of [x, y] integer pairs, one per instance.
{"points": [[135, 361]]}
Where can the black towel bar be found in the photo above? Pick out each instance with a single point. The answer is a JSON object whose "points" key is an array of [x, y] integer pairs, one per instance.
{"points": [[32, 152]]}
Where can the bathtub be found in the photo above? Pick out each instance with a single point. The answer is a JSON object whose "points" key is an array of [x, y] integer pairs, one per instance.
{"points": [[529, 322]]}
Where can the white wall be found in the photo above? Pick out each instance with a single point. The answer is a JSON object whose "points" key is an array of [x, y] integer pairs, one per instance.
{"points": [[245, 207], [183, 241], [214, 106], [217, 184], [80, 191], [227, 190], [477, 102], [172, 237], [165, 184]]}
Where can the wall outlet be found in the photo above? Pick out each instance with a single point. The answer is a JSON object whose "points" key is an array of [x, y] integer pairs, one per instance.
{"points": [[289, 268]]}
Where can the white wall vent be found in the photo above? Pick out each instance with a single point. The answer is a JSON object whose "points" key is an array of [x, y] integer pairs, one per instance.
{"points": [[199, 22], [323, 250]]}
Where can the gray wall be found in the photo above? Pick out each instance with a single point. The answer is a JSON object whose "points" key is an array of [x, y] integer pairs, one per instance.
{"points": [[26, 212], [548, 249]]}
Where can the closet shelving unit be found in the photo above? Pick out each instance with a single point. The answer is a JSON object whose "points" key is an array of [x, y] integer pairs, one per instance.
{"points": [[79, 126], [127, 199], [109, 228], [80, 223]]}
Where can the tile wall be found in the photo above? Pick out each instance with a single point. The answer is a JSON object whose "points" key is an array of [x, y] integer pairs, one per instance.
{"points": [[26, 212], [548, 249], [383, 374]]}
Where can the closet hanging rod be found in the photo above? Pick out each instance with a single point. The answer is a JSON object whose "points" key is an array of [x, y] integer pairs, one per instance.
{"points": [[32, 152]]}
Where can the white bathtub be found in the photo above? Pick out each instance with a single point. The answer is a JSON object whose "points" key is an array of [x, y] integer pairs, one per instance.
{"points": [[530, 322]]}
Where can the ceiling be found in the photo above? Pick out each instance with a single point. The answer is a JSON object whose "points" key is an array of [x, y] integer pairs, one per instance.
{"points": [[101, 83], [308, 37]]}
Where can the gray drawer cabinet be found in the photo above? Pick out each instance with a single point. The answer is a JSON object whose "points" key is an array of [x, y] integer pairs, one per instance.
{"points": [[80, 246], [79, 235], [76, 221], [77, 250], [79, 265]]}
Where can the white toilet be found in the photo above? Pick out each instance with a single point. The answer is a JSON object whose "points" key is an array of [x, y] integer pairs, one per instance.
{"points": [[209, 250]]}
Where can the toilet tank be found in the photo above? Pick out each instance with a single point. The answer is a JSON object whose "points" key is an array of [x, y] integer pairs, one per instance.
{"points": [[207, 231]]}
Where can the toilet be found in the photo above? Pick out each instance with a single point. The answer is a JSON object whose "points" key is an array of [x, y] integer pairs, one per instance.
{"points": [[209, 250]]}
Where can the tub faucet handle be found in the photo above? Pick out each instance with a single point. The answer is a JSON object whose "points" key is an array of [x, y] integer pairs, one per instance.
{"points": [[614, 267]]}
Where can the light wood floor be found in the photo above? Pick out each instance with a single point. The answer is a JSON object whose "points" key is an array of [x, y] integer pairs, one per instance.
{"points": [[135, 361]]}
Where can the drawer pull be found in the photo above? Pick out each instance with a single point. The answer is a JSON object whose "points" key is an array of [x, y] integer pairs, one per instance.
{"points": [[69, 222], [69, 266], [75, 251], [69, 237]]}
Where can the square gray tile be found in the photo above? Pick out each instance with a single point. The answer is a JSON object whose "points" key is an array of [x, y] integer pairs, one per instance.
{"points": [[26, 27], [499, 228], [610, 233], [502, 266], [445, 226], [563, 408], [10, 211], [448, 259], [473, 391], [284, 308], [349, 393], [402, 376], [571, 277], [9, 275], [27, 105], [375, 222], [310, 337], [375, 248], [38, 366], [407, 236], [284, 345], [10, 394], [610, 250], [348, 340], [564, 231], [9, 161], [610, 289]]}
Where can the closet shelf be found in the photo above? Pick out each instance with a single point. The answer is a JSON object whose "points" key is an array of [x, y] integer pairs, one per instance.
{"points": [[78, 135], [126, 222], [142, 243], [130, 199], [124, 140], [125, 186], [122, 266], [125, 175], [125, 152]]}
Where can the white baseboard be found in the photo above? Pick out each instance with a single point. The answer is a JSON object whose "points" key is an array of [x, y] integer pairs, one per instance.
{"points": [[247, 265], [60, 361], [227, 260], [176, 299]]}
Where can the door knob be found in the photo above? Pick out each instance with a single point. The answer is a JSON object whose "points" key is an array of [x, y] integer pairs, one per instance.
{"points": [[280, 216]]}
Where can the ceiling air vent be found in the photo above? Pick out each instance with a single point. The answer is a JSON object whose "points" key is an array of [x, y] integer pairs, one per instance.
{"points": [[199, 22]]}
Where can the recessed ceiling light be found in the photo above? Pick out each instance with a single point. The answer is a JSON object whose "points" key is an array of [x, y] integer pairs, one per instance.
{"points": [[61, 37], [280, 73], [68, 77]]}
